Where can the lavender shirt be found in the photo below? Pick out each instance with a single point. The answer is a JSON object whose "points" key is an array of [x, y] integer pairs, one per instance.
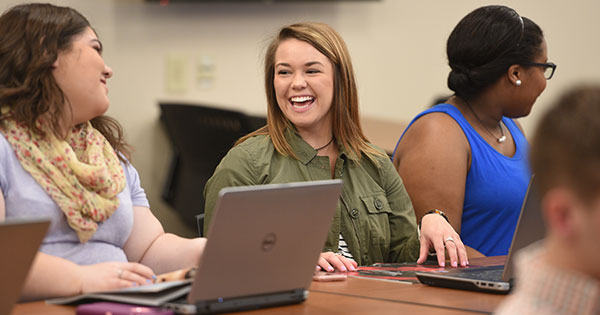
{"points": [[24, 197]]}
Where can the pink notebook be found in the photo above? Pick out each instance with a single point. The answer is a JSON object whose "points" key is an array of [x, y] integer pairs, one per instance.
{"points": [[104, 308]]}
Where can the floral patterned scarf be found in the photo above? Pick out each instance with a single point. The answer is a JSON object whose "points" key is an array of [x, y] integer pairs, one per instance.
{"points": [[82, 174]]}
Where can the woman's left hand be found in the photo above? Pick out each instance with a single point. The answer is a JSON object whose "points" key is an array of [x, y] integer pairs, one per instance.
{"points": [[438, 234]]}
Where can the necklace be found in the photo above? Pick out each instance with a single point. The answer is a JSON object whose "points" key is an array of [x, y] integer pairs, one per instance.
{"points": [[323, 147], [502, 136]]}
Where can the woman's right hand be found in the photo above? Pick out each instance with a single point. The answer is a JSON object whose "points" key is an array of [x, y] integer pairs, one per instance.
{"points": [[330, 262], [113, 276]]}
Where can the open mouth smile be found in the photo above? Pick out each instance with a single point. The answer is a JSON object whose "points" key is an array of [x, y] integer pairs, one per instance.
{"points": [[301, 102]]}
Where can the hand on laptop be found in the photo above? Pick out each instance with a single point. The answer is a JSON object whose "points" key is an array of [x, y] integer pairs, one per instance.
{"points": [[113, 276], [330, 261], [438, 234]]}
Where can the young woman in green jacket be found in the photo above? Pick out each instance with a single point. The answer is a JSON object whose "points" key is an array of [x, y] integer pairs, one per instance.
{"points": [[313, 132]]}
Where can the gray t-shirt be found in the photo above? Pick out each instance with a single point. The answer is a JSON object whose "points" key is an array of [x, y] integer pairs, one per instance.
{"points": [[24, 197]]}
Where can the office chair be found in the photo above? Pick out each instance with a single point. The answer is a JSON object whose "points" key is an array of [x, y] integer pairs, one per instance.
{"points": [[200, 137]]}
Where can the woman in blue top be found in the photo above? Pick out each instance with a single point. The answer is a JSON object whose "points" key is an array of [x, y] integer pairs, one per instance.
{"points": [[468, 157]]}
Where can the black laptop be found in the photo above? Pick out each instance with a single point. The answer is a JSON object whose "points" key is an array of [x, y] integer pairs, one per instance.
{"points": [[499, 278]]}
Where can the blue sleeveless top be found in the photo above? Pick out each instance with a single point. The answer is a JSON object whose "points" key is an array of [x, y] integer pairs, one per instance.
{"points": [[494, 189]]}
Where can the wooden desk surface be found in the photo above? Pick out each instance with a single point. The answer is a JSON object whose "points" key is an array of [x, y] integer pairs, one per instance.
{"points": [[358, 296], [317, 303], [417, 293]]}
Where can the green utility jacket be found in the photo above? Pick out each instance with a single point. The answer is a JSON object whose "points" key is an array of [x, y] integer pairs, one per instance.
{"points": [[375, 215]]}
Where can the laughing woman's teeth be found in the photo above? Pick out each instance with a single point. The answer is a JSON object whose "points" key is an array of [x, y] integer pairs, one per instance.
{"points": [[301, 101]]}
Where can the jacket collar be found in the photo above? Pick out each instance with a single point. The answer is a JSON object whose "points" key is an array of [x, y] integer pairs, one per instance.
{"points": [[304, 152]]}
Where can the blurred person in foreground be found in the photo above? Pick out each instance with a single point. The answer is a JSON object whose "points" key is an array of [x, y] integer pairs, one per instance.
{"points": [[561, 274]]}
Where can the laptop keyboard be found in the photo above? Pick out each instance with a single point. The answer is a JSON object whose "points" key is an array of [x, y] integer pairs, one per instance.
{"points": [[492, 273]]}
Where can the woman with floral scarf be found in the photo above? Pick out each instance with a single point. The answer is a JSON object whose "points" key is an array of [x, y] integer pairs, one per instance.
{"points": [[62, 159]]}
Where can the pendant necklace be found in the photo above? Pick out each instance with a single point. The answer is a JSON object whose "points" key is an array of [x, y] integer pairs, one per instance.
{"points": [[502, 136], [323, 147]]}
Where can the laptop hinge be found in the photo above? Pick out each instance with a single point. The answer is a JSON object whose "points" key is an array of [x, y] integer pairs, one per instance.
{"points": [[222, 305]]}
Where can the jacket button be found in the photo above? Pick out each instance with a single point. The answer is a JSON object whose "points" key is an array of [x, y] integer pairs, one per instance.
{"points": [[378, 204], [354, 213]]}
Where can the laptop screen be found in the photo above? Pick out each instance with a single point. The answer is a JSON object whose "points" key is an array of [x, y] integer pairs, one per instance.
{"points": [[530, 228], [17, 258]]}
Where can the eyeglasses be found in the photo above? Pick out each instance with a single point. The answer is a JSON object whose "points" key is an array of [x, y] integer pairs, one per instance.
{"points": [[549, 68]]}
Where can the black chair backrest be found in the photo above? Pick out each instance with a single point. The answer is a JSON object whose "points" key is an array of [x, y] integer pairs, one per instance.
{"points": [[200, 137]]}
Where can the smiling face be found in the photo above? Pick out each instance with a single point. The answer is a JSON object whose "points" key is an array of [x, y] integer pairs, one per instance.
{"points": [[303, 82], [81, 74]]}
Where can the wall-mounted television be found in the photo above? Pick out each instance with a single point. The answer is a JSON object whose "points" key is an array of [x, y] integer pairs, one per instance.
{"points": [[167, 2]]}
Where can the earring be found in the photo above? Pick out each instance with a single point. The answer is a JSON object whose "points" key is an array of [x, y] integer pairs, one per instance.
{"points": [[518, 82]]}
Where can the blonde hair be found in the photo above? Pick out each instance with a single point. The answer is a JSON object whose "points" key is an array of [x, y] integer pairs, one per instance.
{"points": [[346, 123]]}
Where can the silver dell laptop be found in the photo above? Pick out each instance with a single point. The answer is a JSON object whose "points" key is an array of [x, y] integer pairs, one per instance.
{"points": [[262, 248], [500, 278], [20, 241]]}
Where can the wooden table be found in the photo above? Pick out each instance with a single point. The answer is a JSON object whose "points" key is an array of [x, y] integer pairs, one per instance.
{"points": [[418, 294], [358, 296], [317, 303]]}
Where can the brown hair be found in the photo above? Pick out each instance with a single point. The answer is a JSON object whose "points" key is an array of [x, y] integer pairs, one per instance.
{"points": [[31, 36], [346, 123], [566, 145]]}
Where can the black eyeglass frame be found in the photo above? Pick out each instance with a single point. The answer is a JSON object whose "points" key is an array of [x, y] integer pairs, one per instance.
{"points": [[545, 66]]}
